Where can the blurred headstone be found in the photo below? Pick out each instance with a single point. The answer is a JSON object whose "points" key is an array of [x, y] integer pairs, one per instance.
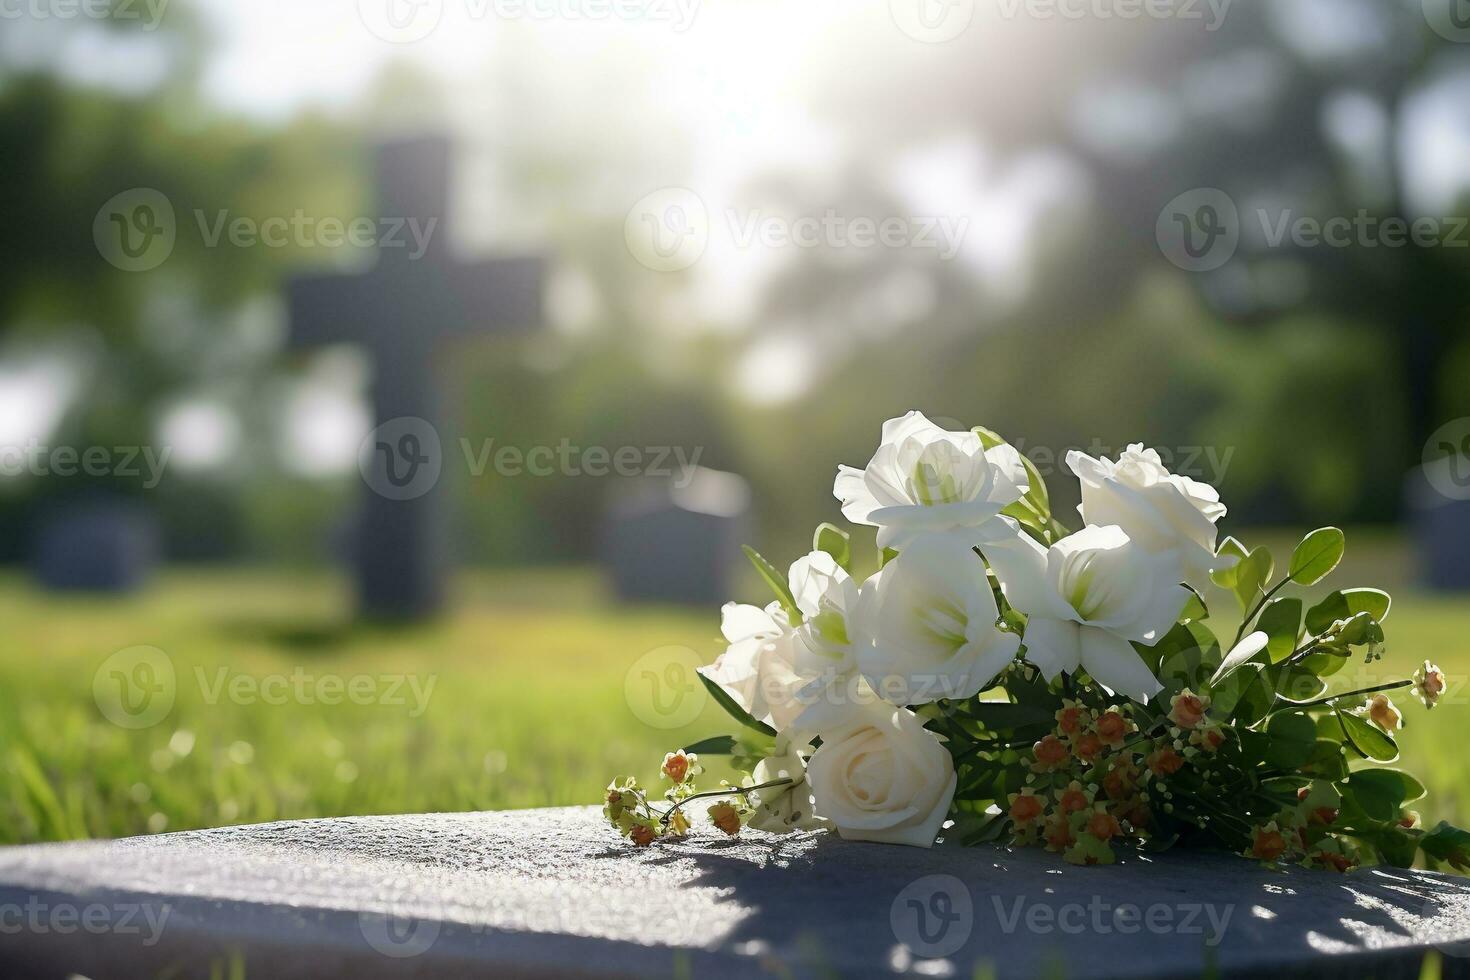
{"points": [[401, 311], [677, 542], [1438, 497], [97, 546]]}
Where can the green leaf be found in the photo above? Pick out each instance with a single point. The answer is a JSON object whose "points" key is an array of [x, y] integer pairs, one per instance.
{"points": [[1002, 716], [1396, 844], [887, 556], [1194, 609], [714, 745], [1297, 684], [734, 710], [1281, 621], [1327, 761], [1345, 605], [1293, 737], [1251, 576], [776, 581], [1317, 555], [1369, 741], [1227, 690], [1449, 844], [1187, 656], [1230, 548], [1381, 793], [1256, 702], [1035, 507], [835, 542]]}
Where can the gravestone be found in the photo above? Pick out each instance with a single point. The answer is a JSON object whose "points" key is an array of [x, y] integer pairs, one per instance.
{"points": [[555, 893], [677, 541], [403, 311], [99, 545], [1438, 498]]}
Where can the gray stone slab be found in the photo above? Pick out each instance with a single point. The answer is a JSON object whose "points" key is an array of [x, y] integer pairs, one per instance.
{"points": [[554, 893]]}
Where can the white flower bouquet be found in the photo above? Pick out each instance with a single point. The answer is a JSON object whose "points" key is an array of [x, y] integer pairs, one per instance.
{"points": [[1003, 677]]}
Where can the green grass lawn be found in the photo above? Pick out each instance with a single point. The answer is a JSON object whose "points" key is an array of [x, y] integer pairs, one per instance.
{"points": [[522, 691]]}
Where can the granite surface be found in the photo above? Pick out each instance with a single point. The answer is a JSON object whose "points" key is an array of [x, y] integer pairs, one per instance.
{"points": [[555, 893]]}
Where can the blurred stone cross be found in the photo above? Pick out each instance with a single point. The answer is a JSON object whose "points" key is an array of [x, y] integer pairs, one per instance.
{"points": [[415, 300]]}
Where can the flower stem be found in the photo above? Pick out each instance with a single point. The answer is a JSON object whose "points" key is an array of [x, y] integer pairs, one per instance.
{"points": [[1393, 686], [742, 791], [1250, 617]]}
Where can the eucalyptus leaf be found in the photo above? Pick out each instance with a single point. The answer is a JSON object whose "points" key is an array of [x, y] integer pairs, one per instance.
{"points": [[776, 581], [722, 697], [1293, 737], [714, 745], [1369, 741], [1345, 605], [1281, 620], [1317, 555]]}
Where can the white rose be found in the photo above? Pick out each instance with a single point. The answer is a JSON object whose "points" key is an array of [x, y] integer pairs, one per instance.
{"points": [[929, 621], [782, 809], [924, 479], [883, 777], [1159, 510], [1088, 599], [758, 668]]}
